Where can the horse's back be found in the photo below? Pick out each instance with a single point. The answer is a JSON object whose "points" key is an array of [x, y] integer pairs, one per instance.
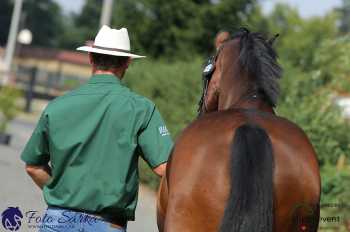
{"points": [[199, 169]]}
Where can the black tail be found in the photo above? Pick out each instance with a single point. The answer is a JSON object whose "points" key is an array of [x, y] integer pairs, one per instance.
{"points": [[250, 204]]}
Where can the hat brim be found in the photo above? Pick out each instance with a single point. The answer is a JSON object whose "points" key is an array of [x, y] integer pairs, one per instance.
{"points": [[108, 52]]}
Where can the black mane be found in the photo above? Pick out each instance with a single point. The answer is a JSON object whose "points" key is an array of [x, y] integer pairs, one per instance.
{"points": [[259, 59]]}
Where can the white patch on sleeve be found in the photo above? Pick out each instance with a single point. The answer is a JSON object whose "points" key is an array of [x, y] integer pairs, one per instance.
{"points": [[163, 131]]}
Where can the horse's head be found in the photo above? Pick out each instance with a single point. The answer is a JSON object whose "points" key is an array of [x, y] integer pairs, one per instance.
{"points": [[244, 68]]}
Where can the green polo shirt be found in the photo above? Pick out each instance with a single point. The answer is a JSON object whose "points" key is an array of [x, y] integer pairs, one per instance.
{"points": [[92, 137]]}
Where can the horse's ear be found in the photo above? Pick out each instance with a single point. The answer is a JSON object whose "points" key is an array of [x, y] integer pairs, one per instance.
{"points": [[221, 37], [272, 40]]}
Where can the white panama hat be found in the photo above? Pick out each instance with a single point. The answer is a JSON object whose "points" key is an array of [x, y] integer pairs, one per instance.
{"points": [[112, 42]]}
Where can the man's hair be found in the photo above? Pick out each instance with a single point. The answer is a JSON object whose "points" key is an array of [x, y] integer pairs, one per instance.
{"points": [[107, 62]]}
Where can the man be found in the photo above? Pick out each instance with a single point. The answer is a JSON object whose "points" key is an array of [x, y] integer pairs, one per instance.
{"points": [[221, 38], [91, 137]]}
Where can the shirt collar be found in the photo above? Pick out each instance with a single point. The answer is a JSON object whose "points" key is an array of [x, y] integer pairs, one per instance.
{"points": [[104, 78]]}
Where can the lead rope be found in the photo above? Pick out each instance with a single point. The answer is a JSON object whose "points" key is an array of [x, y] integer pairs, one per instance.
{"points": [[201, 104]]}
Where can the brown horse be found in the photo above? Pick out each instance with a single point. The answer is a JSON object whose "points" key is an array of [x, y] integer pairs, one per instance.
{"points": [[239, 167]]}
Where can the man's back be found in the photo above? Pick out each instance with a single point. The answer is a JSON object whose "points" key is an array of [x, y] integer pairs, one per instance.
{"points": [[90, 136]]}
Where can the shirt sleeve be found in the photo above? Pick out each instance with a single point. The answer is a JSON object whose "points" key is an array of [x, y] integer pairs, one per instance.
{"points": [[155, 140], [36, 151]]}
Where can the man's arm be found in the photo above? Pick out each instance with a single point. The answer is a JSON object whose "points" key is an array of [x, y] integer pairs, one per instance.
{"points": [[36, 153], [160, 170], [40, 174], [155, 143]]}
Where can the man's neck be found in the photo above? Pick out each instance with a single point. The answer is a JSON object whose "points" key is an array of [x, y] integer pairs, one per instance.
{"points": [[117, 73]]}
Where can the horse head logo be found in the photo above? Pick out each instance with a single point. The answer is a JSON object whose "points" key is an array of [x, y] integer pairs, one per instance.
{"points": [[12, 218]]}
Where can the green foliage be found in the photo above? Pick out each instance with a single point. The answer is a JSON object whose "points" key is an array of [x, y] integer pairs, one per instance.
{"points": [[73, 36], [5, 19], [336, 191], [147, 176], [44, 19], [166, 29], [311, 107], [79, 28], [345, 16], [331, 64], [300, 38], [174, 87], [255, 20], [8, 107], [222, 15], [336, 185], [87, 22], [158, 28], [174, 34]]}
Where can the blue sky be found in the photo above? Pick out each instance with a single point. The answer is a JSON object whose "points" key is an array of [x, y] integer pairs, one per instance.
{"points": [[307, 8]]}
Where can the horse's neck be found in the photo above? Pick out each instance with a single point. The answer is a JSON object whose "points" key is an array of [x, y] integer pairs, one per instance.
{"points": [[244, 97], [256, 104], [251, 103]]}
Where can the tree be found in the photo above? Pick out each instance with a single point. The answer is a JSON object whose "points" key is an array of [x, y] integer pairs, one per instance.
{"points": [[72, 36], [44, 19], [170, 30], [161, 28], [88, 21], [136, 16], [345, 16], [5, 19], [81, 27], [156, 27], [222, 15], [300, 38]]}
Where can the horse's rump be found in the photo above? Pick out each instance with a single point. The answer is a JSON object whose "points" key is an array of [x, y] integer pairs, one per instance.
{"points": [[199, 173]]}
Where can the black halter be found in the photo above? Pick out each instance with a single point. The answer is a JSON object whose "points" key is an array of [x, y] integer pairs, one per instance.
{"points": [[207, 74], [209, 69]]}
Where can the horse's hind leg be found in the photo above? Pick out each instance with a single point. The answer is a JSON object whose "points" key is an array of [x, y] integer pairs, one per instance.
{"points": [[162, 202]]}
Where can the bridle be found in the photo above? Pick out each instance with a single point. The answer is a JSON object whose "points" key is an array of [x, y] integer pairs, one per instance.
{"points": [[209, 69], [207, 74]]}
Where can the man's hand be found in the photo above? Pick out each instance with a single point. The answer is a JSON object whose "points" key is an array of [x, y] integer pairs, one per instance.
{"points": [[160, 170], [40, 174]]}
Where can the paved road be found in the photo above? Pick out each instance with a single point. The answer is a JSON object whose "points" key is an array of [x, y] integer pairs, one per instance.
{"points": [[17, 189]]}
